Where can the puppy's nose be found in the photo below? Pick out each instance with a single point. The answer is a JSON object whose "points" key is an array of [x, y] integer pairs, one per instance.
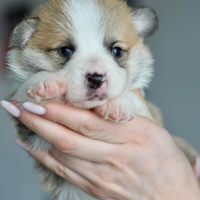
{"points": [[95, 80]]}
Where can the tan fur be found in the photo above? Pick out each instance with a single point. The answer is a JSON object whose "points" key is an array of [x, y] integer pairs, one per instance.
{"points": [[155, 112], [118, 20], [47, 30], [187, 149], [49, 35], [52, 34]]}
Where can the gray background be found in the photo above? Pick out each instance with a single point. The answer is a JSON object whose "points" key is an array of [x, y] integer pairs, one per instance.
{"points": [[175, 89]]}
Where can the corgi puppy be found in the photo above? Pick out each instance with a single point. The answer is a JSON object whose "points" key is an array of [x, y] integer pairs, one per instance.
{"points": [[85, 53]]}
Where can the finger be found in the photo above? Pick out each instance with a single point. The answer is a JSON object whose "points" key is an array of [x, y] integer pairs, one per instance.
{"points": [[64, 139], [78, 165], [57, 167], [86, 122], [100, 175]]}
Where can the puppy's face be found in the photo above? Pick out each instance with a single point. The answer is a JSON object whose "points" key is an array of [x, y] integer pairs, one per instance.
{"points": [[96, 45]]}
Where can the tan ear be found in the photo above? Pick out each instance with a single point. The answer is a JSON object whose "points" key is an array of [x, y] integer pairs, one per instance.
{"points": [[145, 20], [22, 33]]}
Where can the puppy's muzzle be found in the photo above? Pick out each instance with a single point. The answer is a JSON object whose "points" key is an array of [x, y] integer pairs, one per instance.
{"points": [[95, 80]]}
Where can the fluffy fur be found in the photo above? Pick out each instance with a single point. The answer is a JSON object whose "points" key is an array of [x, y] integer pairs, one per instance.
{"points": [[93, 31]]}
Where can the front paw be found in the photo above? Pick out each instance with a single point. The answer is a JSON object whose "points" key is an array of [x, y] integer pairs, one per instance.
{"points": [[117, 110], [47, 90]]}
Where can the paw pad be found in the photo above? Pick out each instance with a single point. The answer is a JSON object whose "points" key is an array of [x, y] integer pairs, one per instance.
{"points": [[46, 90]]}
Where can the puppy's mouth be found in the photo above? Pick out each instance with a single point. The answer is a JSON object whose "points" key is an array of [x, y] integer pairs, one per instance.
{"points": [[96, 91], [99, 94], [96, 97]]}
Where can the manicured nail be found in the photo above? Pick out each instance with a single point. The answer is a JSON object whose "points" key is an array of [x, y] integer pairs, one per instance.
{"points": [[198, 166], [10, 108], [34, 108], [22, 144]]}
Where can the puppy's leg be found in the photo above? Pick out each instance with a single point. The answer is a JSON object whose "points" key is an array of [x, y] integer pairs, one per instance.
{"points": [[42, 86], [122, 109], [59, 188], [72, 192], [51, 182], [27, 136]]}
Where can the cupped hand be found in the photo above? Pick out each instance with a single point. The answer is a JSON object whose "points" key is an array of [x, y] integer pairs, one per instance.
{"points": [[131, 161]]}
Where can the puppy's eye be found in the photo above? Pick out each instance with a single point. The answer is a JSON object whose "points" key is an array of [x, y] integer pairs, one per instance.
{"points": [[66, 51], [117, 52]]}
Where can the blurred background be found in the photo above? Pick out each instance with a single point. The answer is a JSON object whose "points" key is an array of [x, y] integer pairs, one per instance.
{"points": [[175, 89]]}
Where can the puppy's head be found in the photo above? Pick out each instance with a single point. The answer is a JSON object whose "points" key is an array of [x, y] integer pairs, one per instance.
{"points": [[97, 45]]}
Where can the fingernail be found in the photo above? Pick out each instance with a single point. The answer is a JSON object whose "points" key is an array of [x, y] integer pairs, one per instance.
{"points": [[10, 108], [34, 108], [198, 166], [22, 144]]}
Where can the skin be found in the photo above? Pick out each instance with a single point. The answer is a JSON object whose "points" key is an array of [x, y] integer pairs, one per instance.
{"points": [[131, 161]]}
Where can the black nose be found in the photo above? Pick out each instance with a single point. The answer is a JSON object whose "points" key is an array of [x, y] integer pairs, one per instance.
{"points": [[95, 80]]}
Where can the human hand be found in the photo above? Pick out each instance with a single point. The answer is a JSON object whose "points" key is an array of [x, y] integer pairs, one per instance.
{"points": [[136, 160]]}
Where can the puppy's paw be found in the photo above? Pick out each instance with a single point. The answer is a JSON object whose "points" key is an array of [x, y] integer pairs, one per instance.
{"points": [[117, 110], [47, 89]]}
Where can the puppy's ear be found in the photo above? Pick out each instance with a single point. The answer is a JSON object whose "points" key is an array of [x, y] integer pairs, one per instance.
{"points": [[145, 20], [22, 33]]}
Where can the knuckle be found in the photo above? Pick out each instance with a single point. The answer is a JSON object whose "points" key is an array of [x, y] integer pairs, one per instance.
{"points": [[101, 190], [57, 115], [56, 154], [106, 191], [117, 161], [116, 164], [65, 145], [96, 192], [32, 123], [60, 170], [89, 127], [38, 155]]}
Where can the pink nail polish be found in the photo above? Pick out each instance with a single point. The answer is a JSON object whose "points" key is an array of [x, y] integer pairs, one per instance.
{"points": [[34, 108], [10, 108], [22, 144], [198, 166]]}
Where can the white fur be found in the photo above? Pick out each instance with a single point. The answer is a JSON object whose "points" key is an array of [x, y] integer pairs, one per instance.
{"points": [[88, 29], [141, 70], [18, 73], [126, 104], [144, 21], [26, 30], [71, 192], [34, 81], [90, 57], [77, 70]]}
